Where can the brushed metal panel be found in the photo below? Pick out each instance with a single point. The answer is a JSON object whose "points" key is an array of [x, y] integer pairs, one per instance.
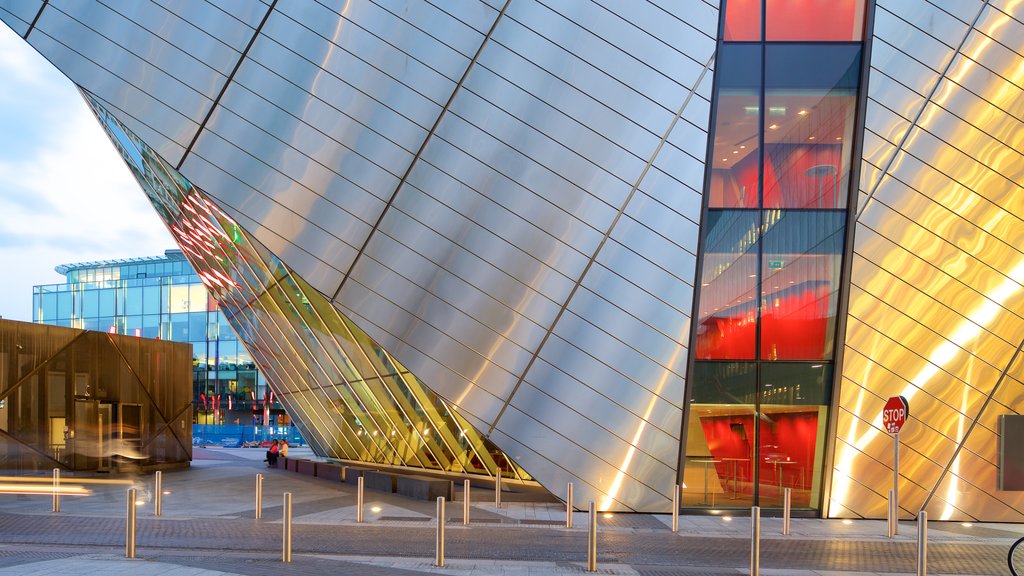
{"points": [[612, 486], [415, 43], [467, 332], [572, 70], [915, 43], [655, 248], [680, 229], [640, 301], [634, 364], [641, 272], [233, 21], [134, 69], [476, 14], [488, 249], [369, 48], [440, 25], [497, 323], [584, 382], [681, 166], [673, 193], [164, 146], [606, 430], [548, 87], [553, 123], [618, 322], [432, 342], [998, 155], [962, 9], [160, 118], [568, 164], [359, 162], [19, 14], [1001, 24], [167, 41], [698, 21], [344, 81], [609, 381], [936, 23]]}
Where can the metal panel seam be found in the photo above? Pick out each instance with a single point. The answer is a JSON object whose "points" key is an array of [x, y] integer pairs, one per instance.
{"points": [[977, 418], [920, 112], [423, 146], [224, 88], [604, 239], [32, 26]]}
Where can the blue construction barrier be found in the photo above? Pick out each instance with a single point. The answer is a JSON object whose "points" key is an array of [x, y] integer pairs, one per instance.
{"points": [[235, 436]]}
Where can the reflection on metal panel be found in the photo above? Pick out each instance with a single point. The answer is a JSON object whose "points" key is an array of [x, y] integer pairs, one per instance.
{"points": [[349, 396], [937, 273]]}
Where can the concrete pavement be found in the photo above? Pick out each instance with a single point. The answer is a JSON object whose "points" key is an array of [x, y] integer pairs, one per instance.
{"points": [[208, 527]]}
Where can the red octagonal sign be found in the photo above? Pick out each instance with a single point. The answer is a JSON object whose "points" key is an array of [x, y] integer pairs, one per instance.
{"points": [[895, 413]]}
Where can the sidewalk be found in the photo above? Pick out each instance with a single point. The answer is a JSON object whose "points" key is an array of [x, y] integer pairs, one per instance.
{"points": [[208, 527]]}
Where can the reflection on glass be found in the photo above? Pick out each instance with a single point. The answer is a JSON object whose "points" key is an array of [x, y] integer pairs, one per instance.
{"points": [[822, 20], [720, 439], [794, 405], [734, 157], [810, 98], [349, 397], [727, 314], [800, 267]]}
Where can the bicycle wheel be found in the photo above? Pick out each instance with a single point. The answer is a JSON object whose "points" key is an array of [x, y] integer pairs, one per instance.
{"points": [[1015, 558]]}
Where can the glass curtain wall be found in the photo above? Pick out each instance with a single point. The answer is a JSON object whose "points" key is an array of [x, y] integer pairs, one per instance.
{"points": [[351, 399], [786, 85]]}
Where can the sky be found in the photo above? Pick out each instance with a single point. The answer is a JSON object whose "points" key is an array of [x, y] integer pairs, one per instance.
{"points": [[65, 194]]}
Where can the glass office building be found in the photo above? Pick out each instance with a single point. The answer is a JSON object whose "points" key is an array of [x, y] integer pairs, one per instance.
{"points": [[633, 244], [162, 297]]}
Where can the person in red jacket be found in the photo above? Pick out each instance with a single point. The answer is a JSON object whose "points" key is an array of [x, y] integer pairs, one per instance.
{"points": [[275, 448]]}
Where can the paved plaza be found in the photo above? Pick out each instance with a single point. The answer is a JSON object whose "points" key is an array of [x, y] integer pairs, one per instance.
{"points": [[208, 527]]}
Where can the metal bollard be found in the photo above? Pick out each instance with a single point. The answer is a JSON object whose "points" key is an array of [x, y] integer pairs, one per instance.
{"points": [[129, 533], [922, 543], [497, 489], [259, 496], [592, 539], [344, 469], [787, 505], [286, 530], [568, 505], [890, 518], [755, 541], [359, 499], [675, 508], [158, 494], [56, 489], [439, 543], [465, 502]]}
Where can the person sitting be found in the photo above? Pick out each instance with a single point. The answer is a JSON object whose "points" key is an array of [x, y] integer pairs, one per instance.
{"points": [[272, 453], [283, 451]]}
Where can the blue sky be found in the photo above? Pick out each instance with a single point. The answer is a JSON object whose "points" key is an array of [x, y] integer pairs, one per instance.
{"points": [[65, 194]]}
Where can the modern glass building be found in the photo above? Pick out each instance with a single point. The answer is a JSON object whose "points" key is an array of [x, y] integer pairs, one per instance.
{"points": [[162, 297], [633, 245]]}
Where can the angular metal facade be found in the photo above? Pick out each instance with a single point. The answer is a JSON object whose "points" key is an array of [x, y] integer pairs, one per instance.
{"points": [[507, 196], [936, 308]]}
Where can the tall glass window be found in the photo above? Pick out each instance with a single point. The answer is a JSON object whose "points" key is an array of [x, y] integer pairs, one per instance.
{"points": [[785, 98]]}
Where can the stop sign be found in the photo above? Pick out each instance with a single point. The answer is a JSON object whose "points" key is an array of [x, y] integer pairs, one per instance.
{"points": [[895, 413]]}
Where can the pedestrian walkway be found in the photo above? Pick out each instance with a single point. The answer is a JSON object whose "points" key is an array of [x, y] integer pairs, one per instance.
{"points": [[208, 527]]}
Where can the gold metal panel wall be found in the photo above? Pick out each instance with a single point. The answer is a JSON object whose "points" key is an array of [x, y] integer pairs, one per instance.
{"points": [[86, 400], [935, 310]]}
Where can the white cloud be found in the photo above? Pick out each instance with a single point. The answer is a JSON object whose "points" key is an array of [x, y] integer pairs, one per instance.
{"points": [[65, 194]]}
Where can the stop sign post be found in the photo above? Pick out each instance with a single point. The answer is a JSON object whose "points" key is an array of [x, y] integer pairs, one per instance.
{"points": [[894, 416]]}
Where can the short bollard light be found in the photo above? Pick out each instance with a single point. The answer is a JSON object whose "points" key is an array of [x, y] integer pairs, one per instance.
{"points": [[439, 542], [158, 493], [259, 496], [787, 509], [675, 508], [755, 541], [286, 530], [592, 539], [568, 505], [359, 499], [56, 489], [922, 543], [465, 502], [497, 488], [129, 532]]}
